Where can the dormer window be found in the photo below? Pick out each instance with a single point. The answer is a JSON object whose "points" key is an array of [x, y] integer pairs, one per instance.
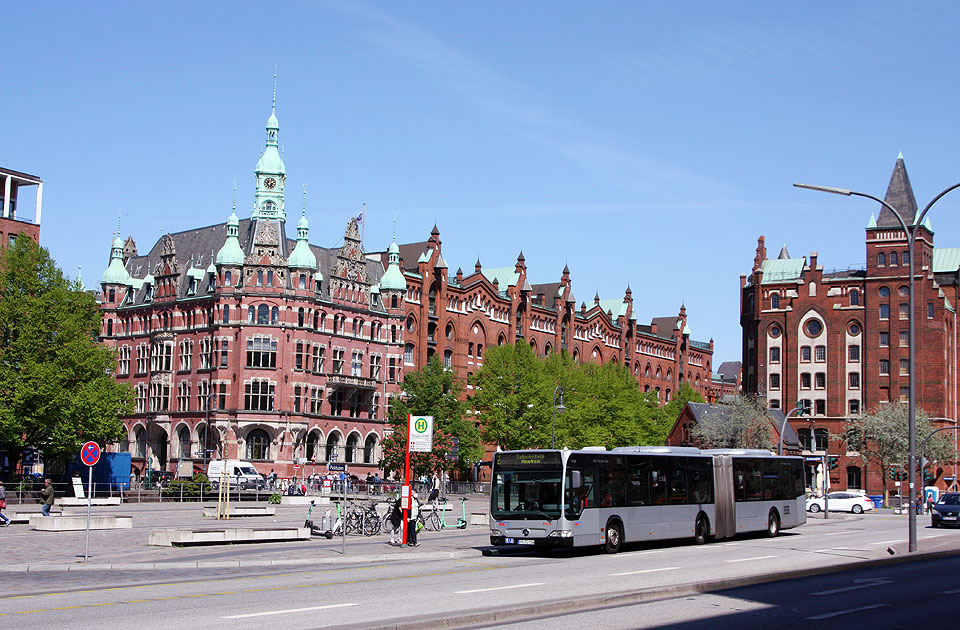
{"points": [[148, 294], [193, 286], [212, 284]]}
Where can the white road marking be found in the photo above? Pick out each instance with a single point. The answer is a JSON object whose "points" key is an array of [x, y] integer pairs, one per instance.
{"points": [[846, 612], [754, 558], [646, 571], [291, 610], [888, 542], [839, 533], [498, 588], [953, 592], [866, 584]]}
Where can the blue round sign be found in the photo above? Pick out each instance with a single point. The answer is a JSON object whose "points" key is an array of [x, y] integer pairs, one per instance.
{"points": [[90, 453]]}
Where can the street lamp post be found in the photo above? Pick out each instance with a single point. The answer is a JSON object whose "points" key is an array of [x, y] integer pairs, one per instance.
{"points": [[783, 427], [911, 234], [561, 409]]}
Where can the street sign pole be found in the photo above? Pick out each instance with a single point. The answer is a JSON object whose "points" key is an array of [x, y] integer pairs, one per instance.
{"points": [[89, 455], [406, 490]]}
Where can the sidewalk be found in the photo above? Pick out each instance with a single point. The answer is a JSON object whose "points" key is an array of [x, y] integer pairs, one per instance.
{"points": [[26, 549]]}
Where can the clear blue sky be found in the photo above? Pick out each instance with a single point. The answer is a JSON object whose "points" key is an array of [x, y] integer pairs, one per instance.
{"points": [[639, 142]]}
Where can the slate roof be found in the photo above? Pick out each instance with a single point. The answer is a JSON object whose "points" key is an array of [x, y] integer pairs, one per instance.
{"points": [[705, 414], [666, 326], [730, 369], [195, 247], [900, 196]]}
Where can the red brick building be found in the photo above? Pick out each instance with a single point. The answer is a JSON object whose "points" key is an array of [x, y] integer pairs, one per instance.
{"points": [[239, 341], [13, 220], [839, 339]]}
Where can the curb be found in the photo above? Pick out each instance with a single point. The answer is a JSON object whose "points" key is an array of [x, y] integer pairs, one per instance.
{"points": [[488, 616], [240, 564]]}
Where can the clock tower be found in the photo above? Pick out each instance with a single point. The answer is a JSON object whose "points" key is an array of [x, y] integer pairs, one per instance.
{"points": [[270, 172]]}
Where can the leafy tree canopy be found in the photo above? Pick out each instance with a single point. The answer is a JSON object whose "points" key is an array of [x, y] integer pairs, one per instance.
{"points": [[56, 382], [432, 391], [746, 424]]}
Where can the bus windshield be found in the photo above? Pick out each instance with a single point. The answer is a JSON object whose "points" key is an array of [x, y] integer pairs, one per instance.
{"points": [[526, 486]]}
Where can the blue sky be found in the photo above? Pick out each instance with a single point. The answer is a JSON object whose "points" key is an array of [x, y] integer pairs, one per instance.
{"points": [[639, 142]]}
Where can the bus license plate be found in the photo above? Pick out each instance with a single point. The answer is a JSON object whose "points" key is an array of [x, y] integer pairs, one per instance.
{"points": [[524, 542]]}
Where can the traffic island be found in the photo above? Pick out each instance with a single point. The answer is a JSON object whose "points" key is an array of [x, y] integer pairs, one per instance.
{"points": [[210, 511], [190, 537], [79, 522]]}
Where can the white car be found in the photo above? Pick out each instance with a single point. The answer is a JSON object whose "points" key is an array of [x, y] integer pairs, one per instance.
{"points": [[842, 502]]}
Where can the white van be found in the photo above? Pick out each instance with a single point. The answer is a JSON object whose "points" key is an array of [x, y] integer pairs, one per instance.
{"points": [[241, 474]]}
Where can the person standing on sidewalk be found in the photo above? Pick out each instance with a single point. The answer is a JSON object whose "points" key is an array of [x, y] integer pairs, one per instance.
{"points": [[412, 523], [47, 495], [3, 505]]}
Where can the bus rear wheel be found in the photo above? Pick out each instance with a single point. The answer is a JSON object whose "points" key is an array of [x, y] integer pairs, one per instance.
{"points": [[613, 537], [701, 530], [773, 524]]}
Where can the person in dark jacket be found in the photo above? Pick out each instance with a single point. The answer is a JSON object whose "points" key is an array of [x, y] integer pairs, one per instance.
{"points": [[47, 496], [3, 505]]}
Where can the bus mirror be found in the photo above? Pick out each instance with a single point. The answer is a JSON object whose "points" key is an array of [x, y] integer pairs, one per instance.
{"points": [[575, 480]]}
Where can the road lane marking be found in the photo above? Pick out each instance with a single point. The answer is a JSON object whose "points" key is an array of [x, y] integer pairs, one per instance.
{"points": [[498, 588], [953, 592], [867, 584], [754, 558], [846, 612], [288, 611], [887, 542], [646, 571]]}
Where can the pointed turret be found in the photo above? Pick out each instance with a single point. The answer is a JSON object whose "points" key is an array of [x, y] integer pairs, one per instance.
{"points": [[872, 223], [115, 273], [270, 171], [900, 196], [302, 257], [784, 254], [393, 279], [231, 254]]}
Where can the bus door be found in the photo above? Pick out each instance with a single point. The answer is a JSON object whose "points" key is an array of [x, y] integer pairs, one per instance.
{"points": [[726, 516], [644, 498]]}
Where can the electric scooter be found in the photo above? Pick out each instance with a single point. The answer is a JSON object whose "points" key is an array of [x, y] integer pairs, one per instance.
{"points": [[323, 529], [462, 521]]}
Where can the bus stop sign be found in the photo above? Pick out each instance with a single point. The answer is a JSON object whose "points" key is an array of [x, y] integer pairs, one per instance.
{"points": [[90, 453]]}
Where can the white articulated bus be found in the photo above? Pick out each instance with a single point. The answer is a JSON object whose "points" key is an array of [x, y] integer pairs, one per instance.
{"points": [[566, 498]]}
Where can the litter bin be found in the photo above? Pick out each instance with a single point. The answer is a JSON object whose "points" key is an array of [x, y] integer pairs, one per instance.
{"points": [[877, 500]]}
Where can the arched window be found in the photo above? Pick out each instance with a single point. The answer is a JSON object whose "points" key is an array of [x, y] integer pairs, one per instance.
{"points": [[894, 259], [139, 443], [270, 278], [351, 451], [300, 315], [333, 447], [393, 301], [906, 257], [109, 328], [408, 354], [226, 313], [263, 314], [448, 359], [370, 449], [227, 278], [183, 442], [259, 278], [881, 259], [775, 300], [258, 445], [854, 297], [275, 315]]}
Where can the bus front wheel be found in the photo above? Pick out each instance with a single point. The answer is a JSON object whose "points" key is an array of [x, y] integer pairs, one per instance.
{"points": [[701, 530], [773, 524], [614, 537]]}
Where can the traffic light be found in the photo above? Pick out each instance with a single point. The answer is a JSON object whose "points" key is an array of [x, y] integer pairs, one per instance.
{"points": [[832, 462]]}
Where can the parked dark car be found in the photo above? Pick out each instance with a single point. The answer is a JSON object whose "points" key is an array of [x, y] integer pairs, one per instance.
{"points": [[946, 511]]}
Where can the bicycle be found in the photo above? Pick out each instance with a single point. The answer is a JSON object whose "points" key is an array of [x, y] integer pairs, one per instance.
{"points": [[435, 520]]}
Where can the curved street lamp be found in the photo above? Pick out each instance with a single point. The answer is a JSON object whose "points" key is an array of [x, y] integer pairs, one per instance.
{"points": [[911, 233], [561, 409]]}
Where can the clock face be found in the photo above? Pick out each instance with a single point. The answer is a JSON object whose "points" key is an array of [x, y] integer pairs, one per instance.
{"points": [[270, 183]]}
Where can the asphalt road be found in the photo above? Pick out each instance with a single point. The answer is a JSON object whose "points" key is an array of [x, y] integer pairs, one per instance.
{"points": [[427, 592]]}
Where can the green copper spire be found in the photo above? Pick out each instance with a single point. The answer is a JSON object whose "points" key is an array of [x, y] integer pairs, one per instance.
{"points": [[231, 253], [302, 257], [872, 223], [116, 272], [393, 279], [270, 172]]}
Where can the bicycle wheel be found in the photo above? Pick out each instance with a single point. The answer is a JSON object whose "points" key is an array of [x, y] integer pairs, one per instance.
{"points": [[432, 521], [371, 525]]}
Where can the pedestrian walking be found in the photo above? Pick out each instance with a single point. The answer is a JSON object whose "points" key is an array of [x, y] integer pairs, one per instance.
{"points": [[412, 523], [47, 495], [3, 505], [396, 518]]}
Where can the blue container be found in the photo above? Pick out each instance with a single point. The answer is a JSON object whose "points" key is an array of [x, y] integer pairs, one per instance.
{"points": [[877, 500]]}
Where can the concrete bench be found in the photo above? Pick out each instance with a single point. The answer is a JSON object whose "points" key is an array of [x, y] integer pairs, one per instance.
{"points": [[242, 510], [479, 518], [79, 522], [24, 517], [75, 502], [186, 537]]}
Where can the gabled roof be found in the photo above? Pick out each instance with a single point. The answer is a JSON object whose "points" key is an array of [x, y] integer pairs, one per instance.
{"points": [[946, 259], [507, 276], [730, 369], [705, 414], [782, 270]]}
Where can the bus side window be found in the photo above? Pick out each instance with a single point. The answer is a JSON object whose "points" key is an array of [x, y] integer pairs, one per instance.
{"points": [[677, 494], [638, 481], [700, 477], [578, 496], [658, 483]]}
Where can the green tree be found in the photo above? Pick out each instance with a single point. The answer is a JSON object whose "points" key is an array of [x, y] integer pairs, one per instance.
{"points": [[742, 423], [57, 389], [507, 389], [882, 437], [432, 391], [672, 410]]}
